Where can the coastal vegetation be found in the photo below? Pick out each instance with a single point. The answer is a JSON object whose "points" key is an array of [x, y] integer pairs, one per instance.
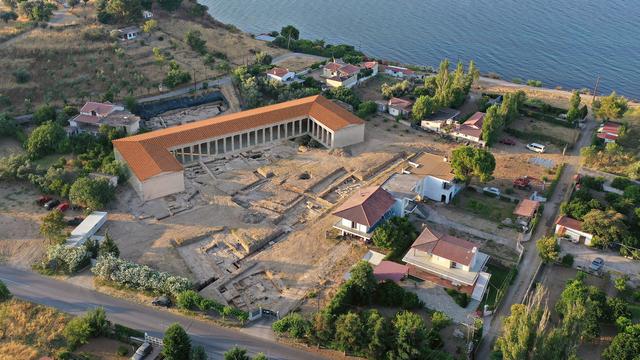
{"points": [[289, 38]]}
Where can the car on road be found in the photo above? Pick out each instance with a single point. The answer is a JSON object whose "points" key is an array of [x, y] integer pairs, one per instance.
{"points": [[161, 301], [43, 200], [51, 204], [491, 190], [535, 147], [142, 352], [507, 141], [597, 264], [63, 207]]}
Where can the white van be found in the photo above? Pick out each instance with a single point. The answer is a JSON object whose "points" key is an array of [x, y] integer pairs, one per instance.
{"points": [[536, 147]]}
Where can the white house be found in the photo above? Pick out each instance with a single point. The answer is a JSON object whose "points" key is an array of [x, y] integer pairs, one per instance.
{"points": [[572, 228], [128, 33], [397, 71], [400, 107], [147, 14], [339, 74], [450, 262], [470, 129], [403, 188], [437, 181], [438, 121], [281, 74], [365, 210], [94, 114]]}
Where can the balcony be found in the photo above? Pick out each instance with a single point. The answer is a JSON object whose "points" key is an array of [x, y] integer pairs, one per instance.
{"points": [[352, 231]]}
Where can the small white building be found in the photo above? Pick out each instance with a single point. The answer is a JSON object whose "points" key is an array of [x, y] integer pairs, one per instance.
{"points": [[94, 114], [128, 33], [339, 74], [441, 119], [87, 228], [572, 228], [400, 107], [147, 14], [437, 182], [281, 75]]}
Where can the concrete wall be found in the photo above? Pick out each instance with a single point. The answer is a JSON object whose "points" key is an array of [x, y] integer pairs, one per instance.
{"points": [[349, 135], [162, 185]]}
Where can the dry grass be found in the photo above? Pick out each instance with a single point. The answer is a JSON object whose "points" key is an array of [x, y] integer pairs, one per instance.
{"points": [[540, 127], [35, 326], [13, 350]]}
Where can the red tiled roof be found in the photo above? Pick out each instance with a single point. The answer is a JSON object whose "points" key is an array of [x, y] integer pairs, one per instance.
{"points": [[469, 130], [569, 223], [86, 119], [606, 135], [445, 246], [611, 127], [370, 64], [400, 103], [333, 66], [147, 154], [100, 108], [278, 71], [526, 208], [389, 270], [475, 120], [366, 206], [349, 69]]}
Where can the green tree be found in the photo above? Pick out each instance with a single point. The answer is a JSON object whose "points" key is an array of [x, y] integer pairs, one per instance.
{"points": [[411, 335], [45, 139], [97, 320], [5, 294], [92, 194], [52, 227], [236, 353], [349, 332], [170, 5], [129, 10], [610, 107], [36, 10], [176, 76], [7, 16], [573, 113], [364, 281], [607, 226], [194, 39], [108, 246], [582, 307], [198, 353], [149, 26], [423, 107], [396, 233], [492, 124], [440, 320], [290, 32], [260, 356], [380, 336], [176, 343], [548, 249], [77, 332], [263, 58], [467, 162], [625, 345], [8, 126]]}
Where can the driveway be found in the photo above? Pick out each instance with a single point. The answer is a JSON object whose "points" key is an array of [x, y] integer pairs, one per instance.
{"points": [[435, 298], [614, 263]]}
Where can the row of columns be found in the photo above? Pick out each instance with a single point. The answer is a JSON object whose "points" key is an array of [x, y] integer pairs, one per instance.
{"points": [[252, 138]]}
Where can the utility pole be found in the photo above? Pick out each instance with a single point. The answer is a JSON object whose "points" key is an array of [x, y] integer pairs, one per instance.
{"points": [[595, 90], [195, 82]]}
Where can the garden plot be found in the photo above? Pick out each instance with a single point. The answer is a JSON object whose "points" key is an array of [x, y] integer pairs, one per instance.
{"points": [[545, 132]]}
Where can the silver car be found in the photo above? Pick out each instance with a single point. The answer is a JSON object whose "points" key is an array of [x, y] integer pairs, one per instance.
{"points": [[143, 350]]}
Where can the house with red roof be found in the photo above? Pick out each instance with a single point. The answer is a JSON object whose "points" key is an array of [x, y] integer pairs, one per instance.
{"points": [[571, 228], [340, 74], [398, 71], [364, 211], [281, 74], [470, 129], [609, 131], [95, 114], [450, 262], [399, 107]]}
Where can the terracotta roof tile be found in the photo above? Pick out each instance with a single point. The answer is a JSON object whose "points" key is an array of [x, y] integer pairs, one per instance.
{"points": [[526, 208], [156, 144], [569, 223], [101, 109], [279, 72], [367, 206], [445, 246]]}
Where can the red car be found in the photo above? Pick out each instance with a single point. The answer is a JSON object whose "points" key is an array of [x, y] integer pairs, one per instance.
{"points": [[43, 200], [63, 207], [507, 141]]}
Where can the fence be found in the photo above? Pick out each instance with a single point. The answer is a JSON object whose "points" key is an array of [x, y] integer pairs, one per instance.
{"points": [[151, 109], [153, 340]]}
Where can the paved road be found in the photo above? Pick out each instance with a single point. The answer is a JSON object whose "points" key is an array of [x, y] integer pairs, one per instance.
{"points": [[220, 81], [76, 300], [531, 261]]}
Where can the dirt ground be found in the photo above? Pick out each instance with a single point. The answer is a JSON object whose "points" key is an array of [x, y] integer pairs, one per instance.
{"points": [[535, 126], [297, 63], [105, 349]]}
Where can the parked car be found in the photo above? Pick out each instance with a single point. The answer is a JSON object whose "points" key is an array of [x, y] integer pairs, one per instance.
{"points": [[492, 190], [43, 200], [569, 238], [75, 221], [51, 204], [535, 147], [597, 264], [161, 301], [507, 141], [142, 351], [63, 207]]}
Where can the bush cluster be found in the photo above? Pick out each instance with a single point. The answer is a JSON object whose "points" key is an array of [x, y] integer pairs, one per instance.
{"points": [[191, 300], [139, 277]]}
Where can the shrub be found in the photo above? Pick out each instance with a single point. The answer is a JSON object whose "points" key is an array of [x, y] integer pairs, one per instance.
{"points": [[5, 294], [567, 260], [462, 299], [534, 83], [68, 260], [592, 183], [139, 277], [188, 300], [293, 325], [621, 183], [388, 293], [440, 320], [77, 332], [122, 350]]}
